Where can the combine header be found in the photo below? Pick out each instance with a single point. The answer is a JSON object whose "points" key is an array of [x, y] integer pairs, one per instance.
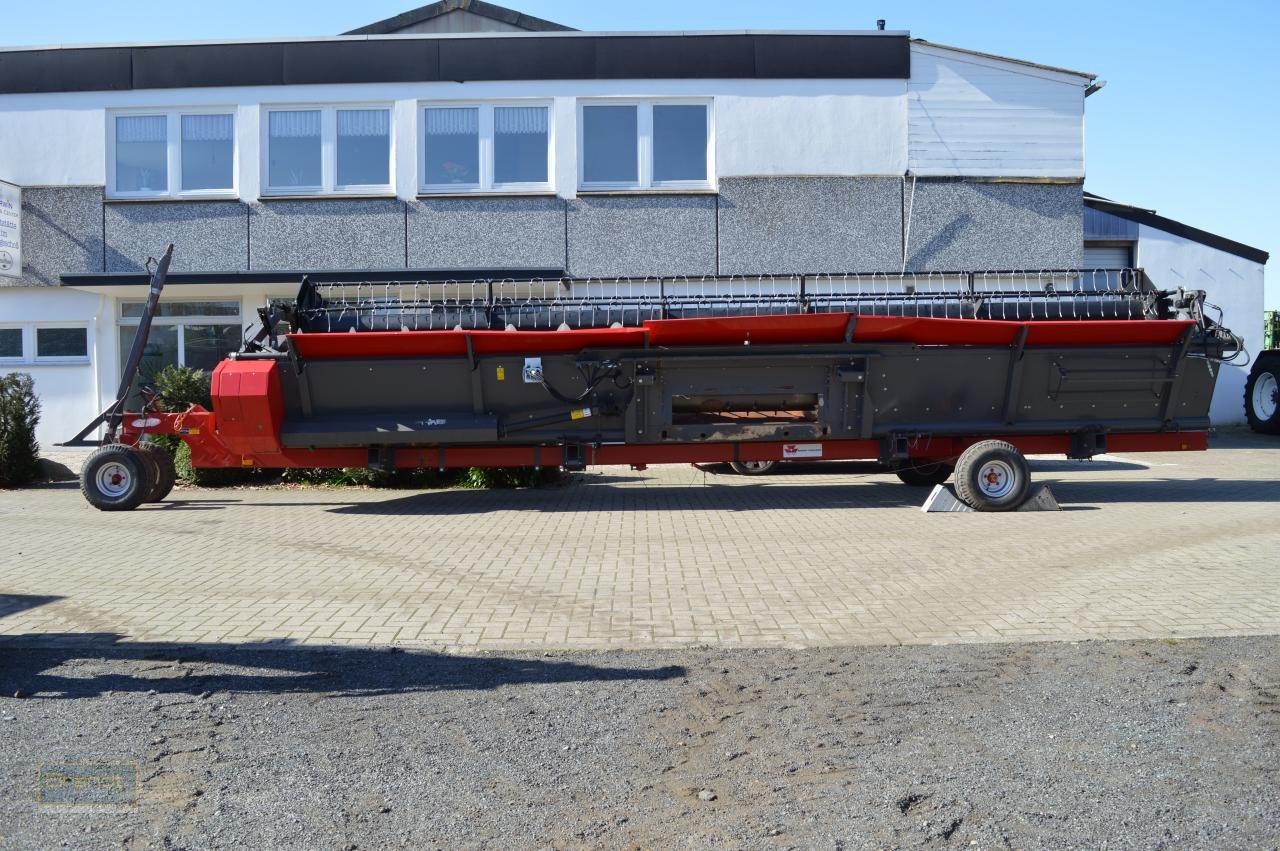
{"points": [[932, 375]]}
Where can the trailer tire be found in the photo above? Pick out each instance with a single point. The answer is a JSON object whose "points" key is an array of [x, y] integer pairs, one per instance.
{"points": [[923, 474], [993, 476], [115, 478], [753, 468], [1261, 403], [165, 471]]}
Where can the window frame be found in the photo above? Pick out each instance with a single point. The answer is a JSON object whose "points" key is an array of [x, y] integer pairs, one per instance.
{"points": [[35, 357], [24, 332], [486, 185], [122, 321], [173, 149], [644, 147], [328, 152]]}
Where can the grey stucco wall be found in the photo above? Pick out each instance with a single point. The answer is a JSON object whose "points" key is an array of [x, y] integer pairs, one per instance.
{"points": [[642, 235], [327, 234], [207, 235], [810, 224], [61, 233], [755, 225], [474, 233], [971, 225]]}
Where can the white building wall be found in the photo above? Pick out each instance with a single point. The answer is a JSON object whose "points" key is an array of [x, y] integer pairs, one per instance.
{"points": [[70, 393], [1230, 282], [761, 127], [978, 117]]}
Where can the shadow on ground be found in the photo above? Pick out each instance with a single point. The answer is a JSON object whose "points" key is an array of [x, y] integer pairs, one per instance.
{"points": [[55, 666]]}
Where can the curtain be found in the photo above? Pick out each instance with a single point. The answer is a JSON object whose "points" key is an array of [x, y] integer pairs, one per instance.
{"points": [[453, 122], [206, 128], [295, 124], [141, 128], [364, 122], [520, 119]]}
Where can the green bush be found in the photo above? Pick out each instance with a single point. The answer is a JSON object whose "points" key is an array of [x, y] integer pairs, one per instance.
{"points": [[215, 477], [363, 477], [180, 386], [509, 477], [19, 414]]}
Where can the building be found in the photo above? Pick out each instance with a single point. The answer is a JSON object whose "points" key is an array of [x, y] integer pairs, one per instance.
{"points": [[463, 135]]}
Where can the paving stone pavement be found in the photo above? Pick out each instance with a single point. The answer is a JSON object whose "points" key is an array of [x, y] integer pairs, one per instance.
{"points": [[1147, 546]]}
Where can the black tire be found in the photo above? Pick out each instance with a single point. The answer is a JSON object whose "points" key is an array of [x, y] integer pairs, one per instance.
{"points": [[115, 478], [165, 471], [923, 474], [753, 468], [1261, 404], [993, 476]]}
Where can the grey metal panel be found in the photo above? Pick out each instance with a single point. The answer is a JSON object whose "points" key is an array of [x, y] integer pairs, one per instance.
{"points": [[476, 233], [783, 225], [61, 232], [1108, 256], [1099, 224], [642, 235], [982, 225], [209, 235], [327, 234]]}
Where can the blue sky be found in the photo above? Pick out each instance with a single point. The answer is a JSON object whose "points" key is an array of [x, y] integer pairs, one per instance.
{"points": [[1189, 123]]}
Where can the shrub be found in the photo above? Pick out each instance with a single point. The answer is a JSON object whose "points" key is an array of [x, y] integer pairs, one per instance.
{"points": [[509, 477], [19, 414], [363, 477], [180, 386]]}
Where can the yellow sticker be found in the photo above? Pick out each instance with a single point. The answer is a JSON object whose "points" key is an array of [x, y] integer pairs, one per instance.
{"points": [[502, 373], [579, 413]]}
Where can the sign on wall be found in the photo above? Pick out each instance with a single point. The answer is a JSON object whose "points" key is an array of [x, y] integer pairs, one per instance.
{"points": [[10, 230]]}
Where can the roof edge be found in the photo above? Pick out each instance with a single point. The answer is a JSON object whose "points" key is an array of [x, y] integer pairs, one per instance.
{"points": [[1151, 219], [1084, 75]]}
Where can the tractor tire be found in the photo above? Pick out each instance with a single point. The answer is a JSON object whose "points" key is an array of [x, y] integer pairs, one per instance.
{"points": [[923, 474], [753, 468], [993, 476], [115, 478], [166, 472], [1261, 399]]}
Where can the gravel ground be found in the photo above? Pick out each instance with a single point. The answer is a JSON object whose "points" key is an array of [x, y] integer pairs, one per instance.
{"points": [[1092, 745]]}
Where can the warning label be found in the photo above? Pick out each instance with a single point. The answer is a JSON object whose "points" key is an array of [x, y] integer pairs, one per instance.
{"points": [[802, 450]]}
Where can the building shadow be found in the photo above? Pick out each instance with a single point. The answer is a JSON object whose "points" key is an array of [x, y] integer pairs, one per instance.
{"points": [[79, 665]]}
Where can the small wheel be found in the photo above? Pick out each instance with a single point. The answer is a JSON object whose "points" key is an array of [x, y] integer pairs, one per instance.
{"points": [[753, 468], [115, 478], [165, 471], [993, 476], [923, 474], [1262, 396]]}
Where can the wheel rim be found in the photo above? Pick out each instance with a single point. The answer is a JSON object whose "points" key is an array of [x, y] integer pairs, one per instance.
{"points": [[756, 466], [114, 479], [996, 479], [1264, 396]]}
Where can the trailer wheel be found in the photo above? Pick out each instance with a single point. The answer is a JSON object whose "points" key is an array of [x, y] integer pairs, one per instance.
{"points": [[1261, 404], [752, 468], [923, 474], [165, 471], [993, 476], [115, 478]]}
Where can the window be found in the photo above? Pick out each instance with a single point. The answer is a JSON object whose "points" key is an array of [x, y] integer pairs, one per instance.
{"points": [[486, 148], [62, 344], [11, 348], [645, 145], [181, 153], [197, 334], [327, 150]]}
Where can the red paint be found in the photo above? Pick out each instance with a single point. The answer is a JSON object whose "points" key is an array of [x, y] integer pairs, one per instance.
{"points": [[812, 328]]}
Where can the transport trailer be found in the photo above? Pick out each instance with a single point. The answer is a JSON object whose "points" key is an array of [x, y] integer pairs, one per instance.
{"points": [[960, 374]]}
